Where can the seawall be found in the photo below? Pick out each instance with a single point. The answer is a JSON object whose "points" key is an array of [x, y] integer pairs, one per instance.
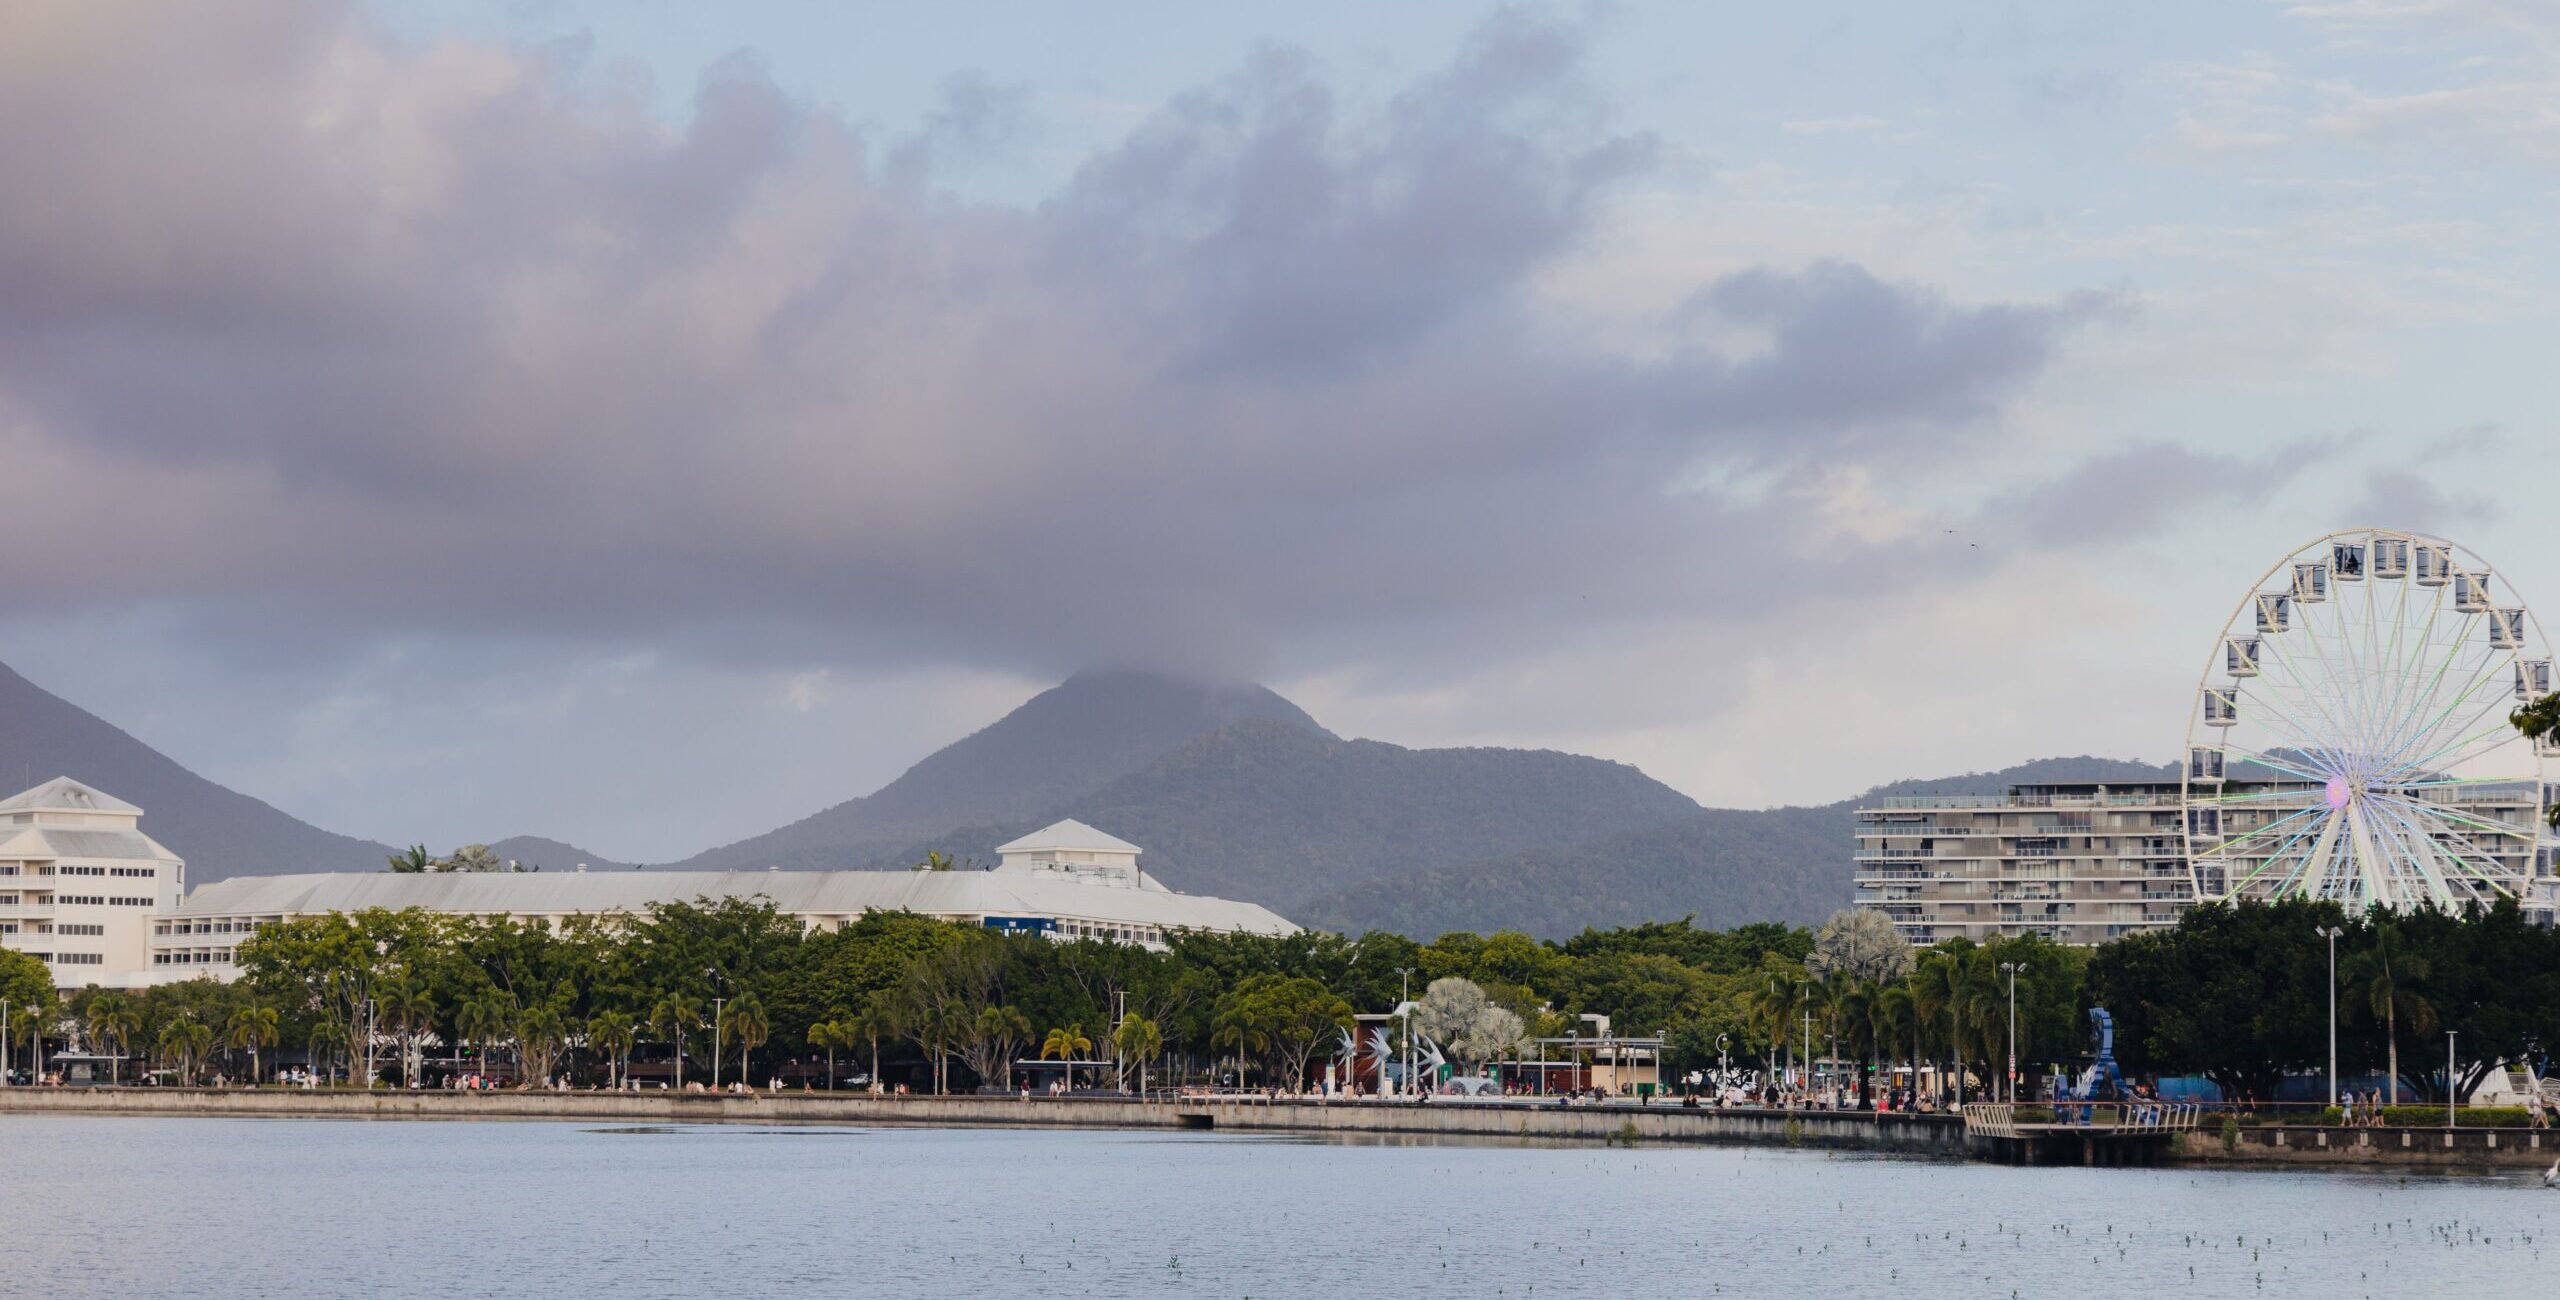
{"points": [[1916, 1134], [1923, 1135], [2299, 1146]]}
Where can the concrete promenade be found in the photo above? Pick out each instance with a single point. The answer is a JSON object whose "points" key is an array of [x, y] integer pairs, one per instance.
{"points": [[1838, 1130], [1924, 1135]]}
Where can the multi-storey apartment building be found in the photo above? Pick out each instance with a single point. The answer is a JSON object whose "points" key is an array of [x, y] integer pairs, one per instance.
{"points": [[80, 883], [2078, 863], [2086, 862]]}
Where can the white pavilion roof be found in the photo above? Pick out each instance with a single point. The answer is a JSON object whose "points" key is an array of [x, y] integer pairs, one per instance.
{"points": [[62, 794], [1070, 835]]}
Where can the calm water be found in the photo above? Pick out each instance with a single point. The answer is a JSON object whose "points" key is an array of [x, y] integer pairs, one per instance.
{"points": [[210, 1207]]}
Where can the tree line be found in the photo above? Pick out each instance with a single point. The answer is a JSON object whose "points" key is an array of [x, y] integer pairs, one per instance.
{"points": [[2233, 992]]}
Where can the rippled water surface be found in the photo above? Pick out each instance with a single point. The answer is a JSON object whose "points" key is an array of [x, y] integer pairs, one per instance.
{"points": [[218, 1207]]}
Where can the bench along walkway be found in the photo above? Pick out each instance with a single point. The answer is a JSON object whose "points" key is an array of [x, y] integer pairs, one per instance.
{"points": [[2088, 1133]]}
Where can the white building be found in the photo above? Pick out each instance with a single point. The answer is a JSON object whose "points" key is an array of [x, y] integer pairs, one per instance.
{"points": [[1068, 880], [80, 884]]}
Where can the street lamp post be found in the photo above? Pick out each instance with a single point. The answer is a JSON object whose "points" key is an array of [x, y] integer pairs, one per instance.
{"points": [[1724, 1066], [2452, 1085], [716, 1003], [2331, 933], [1804, 1093], [4, 1042], [2012, 969]]}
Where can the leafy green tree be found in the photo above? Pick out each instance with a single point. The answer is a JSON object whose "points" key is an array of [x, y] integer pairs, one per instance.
{"points": [[26, 987], [1861, 943], [413, 860]]}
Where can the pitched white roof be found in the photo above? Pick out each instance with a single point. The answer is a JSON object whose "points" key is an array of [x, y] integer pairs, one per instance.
{"points": [[957, 894], [1071, 835], [54, 843], [62, 794]]}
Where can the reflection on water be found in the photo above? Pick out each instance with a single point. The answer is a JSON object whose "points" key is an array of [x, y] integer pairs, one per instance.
{"points": [[225, 1208]]}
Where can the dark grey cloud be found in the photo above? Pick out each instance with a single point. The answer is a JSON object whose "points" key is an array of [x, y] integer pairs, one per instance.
{"points": [[2141, 489], [315, 337], [2400, 497]]}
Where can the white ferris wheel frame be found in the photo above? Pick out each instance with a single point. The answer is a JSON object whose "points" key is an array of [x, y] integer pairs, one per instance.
{"points": [[2417, 851]]}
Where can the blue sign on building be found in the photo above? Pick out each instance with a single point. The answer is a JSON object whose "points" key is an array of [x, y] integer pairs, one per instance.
{"points": [[1033, 924]]}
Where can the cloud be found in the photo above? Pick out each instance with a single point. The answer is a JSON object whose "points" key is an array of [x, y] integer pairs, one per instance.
{"points": [[2138, 491], [314, 336], [2395, 497]]}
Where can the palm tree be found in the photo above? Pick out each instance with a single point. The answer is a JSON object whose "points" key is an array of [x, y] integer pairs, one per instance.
{"points": [[673, 1015], [744, 1020], [1066, 1045], [1139, 1040], [186, 1039], [413, 860], [1774, 1004], [934, 860], [1235, 1024], [2385, 972], [484, 1020], [1854, 1011], [833, 1034], [412, 1011], [1898, 1013], [612, 1033], [875, 1019], [111, 1022], [541, 1031], [1939, 987], [1830, 995], [253, 1028], [326, 1032]]}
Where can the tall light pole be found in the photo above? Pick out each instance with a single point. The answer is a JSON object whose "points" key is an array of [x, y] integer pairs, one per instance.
{"points": [[4, 1042], [1405, 1010], [2012, 969], [1805, 1092], [2331, 933], [716, 1003], [2452, 1085]]}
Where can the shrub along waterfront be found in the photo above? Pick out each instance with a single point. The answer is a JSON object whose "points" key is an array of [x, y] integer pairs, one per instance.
{"points": [[2233, 992]]}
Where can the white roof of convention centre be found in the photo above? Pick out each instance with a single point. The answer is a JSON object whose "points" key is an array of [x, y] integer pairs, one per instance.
{"points": [[1001, 892], [1070, 835]]}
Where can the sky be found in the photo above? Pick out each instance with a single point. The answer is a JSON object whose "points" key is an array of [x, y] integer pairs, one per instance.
{"points": [[644, 424]]}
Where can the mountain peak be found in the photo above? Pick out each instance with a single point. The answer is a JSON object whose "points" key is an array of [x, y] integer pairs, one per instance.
{"points": [[1068, 740]]}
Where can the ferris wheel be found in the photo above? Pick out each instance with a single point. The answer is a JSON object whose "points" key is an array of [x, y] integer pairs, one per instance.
{"points": [[2350, 739]]}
